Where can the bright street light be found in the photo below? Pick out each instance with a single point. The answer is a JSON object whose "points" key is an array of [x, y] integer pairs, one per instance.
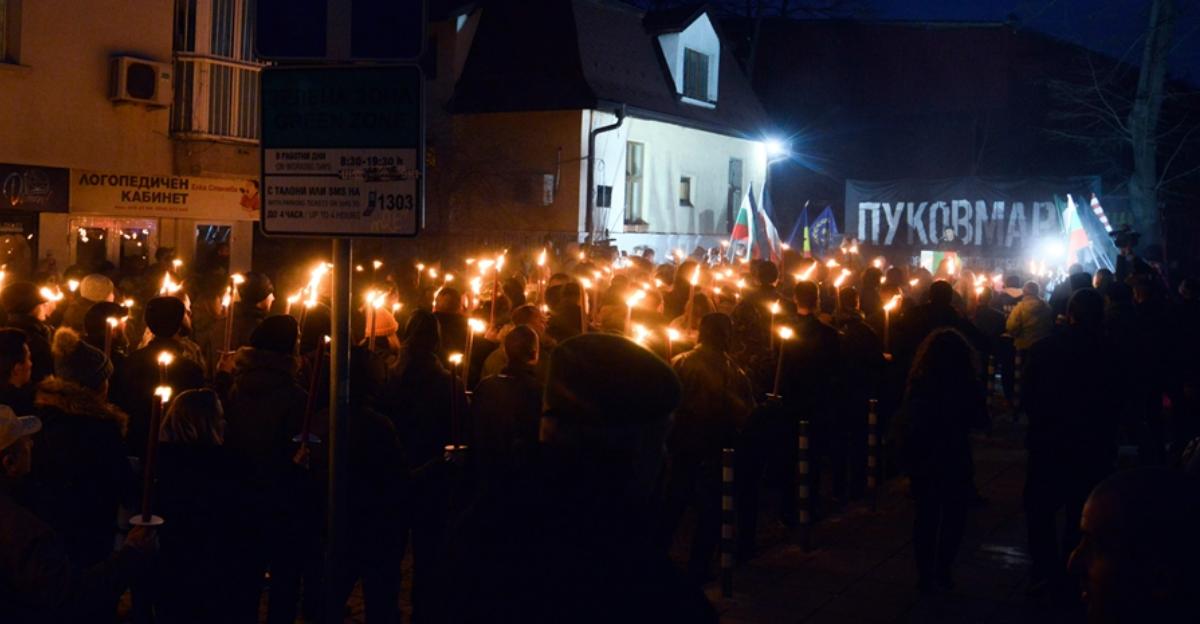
{"points": [[775, 148]]}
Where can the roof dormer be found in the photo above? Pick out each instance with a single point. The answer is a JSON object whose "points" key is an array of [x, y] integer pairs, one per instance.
{"points": [[691, 50]]}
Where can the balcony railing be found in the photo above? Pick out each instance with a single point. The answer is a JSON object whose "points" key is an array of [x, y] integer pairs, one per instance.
{"points": [[216, 98]]}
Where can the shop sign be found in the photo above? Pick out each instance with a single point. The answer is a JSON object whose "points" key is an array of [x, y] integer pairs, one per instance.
{"points": [[34, 189], [145, 195]]}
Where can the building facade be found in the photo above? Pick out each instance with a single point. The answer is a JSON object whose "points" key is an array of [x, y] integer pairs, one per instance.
{"points": [[126, 127], [520, 90]]}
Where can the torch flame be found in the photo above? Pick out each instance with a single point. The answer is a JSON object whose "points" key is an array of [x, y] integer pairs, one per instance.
{"points": [[892, 303], [165, 358], [786, 333]]}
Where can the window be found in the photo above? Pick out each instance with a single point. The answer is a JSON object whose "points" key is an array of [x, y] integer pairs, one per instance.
{"points": [[10, 30], [216, 76], [685, 191], [695, 75], [604, 196], [735, 190], [634, 153], [212, 248]]}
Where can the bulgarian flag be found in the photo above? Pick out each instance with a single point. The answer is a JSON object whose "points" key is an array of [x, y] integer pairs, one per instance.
{"points": [[743, 226], [1077, 239]]}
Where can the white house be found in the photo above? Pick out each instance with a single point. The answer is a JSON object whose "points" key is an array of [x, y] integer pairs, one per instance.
{"points": [[678, 133]]}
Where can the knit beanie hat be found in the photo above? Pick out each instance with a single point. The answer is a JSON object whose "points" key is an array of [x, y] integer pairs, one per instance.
{"points": [[164, 316], [79, 362], [277, 334], [602, 379], [385, 323], [21, 298], [96, 287], [255, 288]]}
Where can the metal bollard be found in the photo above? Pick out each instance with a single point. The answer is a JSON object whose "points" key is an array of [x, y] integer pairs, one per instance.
{"points": [[728, 522], [1017, 380], [873, 452], [991, 376], [803, 488]]}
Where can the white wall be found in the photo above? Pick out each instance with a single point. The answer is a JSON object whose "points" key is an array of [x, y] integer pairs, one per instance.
{"points": [[701, 37], [672, 152]]}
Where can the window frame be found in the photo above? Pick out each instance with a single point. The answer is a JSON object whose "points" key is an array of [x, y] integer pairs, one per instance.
{"points": [[691, 90], [686, 199], [634, 208]]}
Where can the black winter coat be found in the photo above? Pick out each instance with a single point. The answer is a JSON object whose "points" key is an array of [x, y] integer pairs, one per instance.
{"points": [[80, 472], [39, 583], [134, 390]]}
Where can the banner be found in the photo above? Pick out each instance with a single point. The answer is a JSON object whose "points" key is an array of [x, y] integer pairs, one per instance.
{"points": [[36, 189], [185, 197], [975, 216]]}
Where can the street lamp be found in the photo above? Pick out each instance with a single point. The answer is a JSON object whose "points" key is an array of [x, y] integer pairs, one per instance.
{"points": [[775, 148]]}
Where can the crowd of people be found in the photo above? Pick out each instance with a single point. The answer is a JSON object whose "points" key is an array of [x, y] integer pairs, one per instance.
{"points": [[536, 428]]}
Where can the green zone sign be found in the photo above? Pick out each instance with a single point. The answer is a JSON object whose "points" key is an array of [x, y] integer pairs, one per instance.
{"points": [[342, 151]]}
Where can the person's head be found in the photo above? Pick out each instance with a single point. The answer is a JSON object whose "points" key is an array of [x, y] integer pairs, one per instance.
{"points": [[945, 358], [23, 298], [589, 415], [96, 287], [764, 272], [896, 276], [805, 296], [1075, 268], [79, 362], [716, 331], [985, 296], [1103, 279], [256, 290], [1031, 289], [848, 298], [195, 418], [16, 442], [421, 334], [16, 362], [1012, 281], [941, 293], [1137, 555], [384, 323], [276, 334], [530, 315], [1189, 289], [648, 254], [96, 324], [165, 316], [448, 301], [701, 305], [521, 345], [1086, 308]]}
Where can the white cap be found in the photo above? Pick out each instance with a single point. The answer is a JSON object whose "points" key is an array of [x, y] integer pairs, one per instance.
{"points": [[13, 427]]}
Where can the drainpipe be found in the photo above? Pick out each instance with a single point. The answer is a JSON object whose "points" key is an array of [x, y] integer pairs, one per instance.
{"points": [[589, 219]]}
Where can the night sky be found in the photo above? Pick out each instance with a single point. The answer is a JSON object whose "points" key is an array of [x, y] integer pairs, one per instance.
{"points": [[1114, 27]]}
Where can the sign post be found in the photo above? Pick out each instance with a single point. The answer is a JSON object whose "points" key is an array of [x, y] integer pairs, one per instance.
{"points": [[343, 157]]}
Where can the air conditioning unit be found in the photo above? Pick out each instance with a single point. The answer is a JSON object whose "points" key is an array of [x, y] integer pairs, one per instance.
{"points": [[140, 81]]}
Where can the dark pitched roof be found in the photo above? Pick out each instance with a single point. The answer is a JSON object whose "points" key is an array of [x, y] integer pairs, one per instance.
{"points": [[581, 54], [674, 19]]}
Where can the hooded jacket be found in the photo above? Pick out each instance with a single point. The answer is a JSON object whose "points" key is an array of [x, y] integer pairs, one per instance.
{"points": [[717, 401], [265, 408], [134, 389], [80, 473]]}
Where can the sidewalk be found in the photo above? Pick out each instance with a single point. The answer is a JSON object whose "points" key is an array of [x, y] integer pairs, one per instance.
{"points": [[861, 568]]}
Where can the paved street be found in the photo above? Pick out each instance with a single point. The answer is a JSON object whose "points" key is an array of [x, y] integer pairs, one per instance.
{"points": [[861, 568]]}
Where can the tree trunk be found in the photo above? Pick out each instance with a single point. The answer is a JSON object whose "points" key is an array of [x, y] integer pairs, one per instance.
{"points": [[1143, 118]]}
